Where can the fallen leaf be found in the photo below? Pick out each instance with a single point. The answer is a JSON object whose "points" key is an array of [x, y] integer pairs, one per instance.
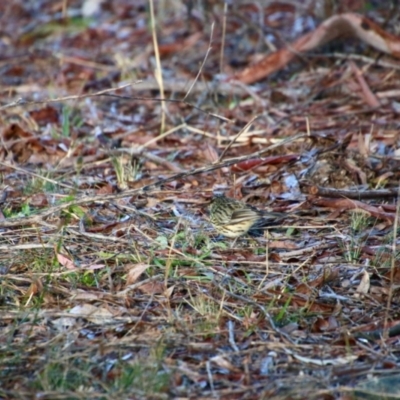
{"points": [[135, 272]]}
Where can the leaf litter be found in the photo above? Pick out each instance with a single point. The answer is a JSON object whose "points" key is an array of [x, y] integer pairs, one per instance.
{"points": [[113, 282]]}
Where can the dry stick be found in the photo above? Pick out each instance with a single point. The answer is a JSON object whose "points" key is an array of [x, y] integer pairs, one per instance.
{"points": [[202, 64], [179, 101], [179, 85], [359, 57], [350, 194], [368, 96], [14, 247], [25, 171], [244, 130], [21, 101], [158, 71], [164, 135], [145, 189], [221, 56], [106, 92], [63, 58], [394, 330], [379, 333], [392, 269], [231, 329]]}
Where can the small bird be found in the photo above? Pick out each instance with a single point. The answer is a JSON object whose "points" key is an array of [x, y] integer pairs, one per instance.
{"points": [[233, 218]]}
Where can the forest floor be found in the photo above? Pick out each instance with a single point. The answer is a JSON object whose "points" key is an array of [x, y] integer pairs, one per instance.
{"points": [[114, 283]]}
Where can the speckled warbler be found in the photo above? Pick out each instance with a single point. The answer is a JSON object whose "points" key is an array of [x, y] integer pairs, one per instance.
{"points": [[233, 218]]}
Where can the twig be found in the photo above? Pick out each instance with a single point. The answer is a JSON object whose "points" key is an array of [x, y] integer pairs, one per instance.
{"points": [[244, 130], [20, 102], [202, 64], [36, 219], [392, 270], [7, 165], [231, 330], [349, 194], [158, 71]]}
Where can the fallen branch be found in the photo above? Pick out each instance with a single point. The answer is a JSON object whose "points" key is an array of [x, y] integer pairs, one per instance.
{"points": [[347, 204], [349, 24], [348, 194]]}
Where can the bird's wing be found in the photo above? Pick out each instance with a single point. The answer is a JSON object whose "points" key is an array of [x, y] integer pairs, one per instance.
{"points": [[244, 214], [270, 219]]}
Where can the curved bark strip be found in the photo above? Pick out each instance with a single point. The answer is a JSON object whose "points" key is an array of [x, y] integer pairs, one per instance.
{"points": [[349, 24]]}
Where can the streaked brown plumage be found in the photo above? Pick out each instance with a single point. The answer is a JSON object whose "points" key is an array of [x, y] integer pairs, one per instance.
{"points": [[233, 218]]}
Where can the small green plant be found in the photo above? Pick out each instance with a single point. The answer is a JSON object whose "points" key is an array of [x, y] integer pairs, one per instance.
{"points": [[384, 255], [353, 242], [65, 372], [89, 279], [208, 310], [69, 121], [127, 169], [41, 261], [359, 221], [26, 210], [41, 182], [74, 212], [282, 316]]}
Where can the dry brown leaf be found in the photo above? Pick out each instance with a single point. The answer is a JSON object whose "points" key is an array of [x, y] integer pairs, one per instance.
{"points": [[169, 291], [134, 272], [97, 315], [66, 261], [368, 96], [325, 324], [222, 362], [35, 288], [210, 153], [152, 288], [45, 115], [38, 200], [364, 284]]}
